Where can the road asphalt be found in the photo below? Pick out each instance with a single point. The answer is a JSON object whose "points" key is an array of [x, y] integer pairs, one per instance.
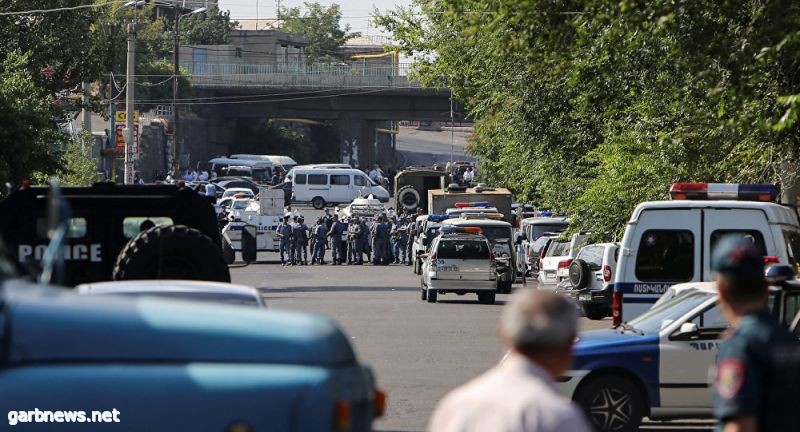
{"points": [[418, 351]]}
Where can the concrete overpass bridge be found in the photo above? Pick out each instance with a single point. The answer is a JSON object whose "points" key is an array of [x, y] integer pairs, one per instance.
{"points": [[362, 100]]}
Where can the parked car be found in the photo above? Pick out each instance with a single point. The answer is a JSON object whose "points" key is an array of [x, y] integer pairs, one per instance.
{"points": [[233, 367], [591, 279], [234, 191], [657, 364], [557, 258], [528, 233], [324, 186], [460, 261], [221, 293], [237, 183]]}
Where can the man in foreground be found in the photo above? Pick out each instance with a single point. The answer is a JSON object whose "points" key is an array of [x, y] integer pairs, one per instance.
{"points": [[758, 365], [517, 395]]}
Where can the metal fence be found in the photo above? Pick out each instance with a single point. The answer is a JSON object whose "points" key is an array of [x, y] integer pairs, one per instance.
{"points": [[323, 75]]}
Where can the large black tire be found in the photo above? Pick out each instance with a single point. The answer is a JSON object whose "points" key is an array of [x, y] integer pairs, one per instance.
{"points": [[579, 274], [171, 252], [595, 311], [612, 403], [432, 294], [408, 197], [318, 203], [486, 297]]}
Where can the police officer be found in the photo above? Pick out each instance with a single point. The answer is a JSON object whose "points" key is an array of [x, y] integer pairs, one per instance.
{"points": [[354, 255], [297, 240], [327, 219], [336, 232], [380, 241], [400, 234], [364, 241], [758, 366], [320, 235], [284, 232]]}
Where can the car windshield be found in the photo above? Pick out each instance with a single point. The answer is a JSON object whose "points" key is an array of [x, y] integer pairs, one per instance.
{"points": [[651, 321], [240, 205]]}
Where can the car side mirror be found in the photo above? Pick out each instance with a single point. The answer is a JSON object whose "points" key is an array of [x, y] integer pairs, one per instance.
{"points": [[687, 331]]}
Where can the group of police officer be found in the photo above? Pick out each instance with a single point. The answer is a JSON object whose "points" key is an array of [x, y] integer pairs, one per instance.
{"points": [[384, 239]]}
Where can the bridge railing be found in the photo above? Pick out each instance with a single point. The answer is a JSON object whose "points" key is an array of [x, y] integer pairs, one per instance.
{"points": [[299, 75]]}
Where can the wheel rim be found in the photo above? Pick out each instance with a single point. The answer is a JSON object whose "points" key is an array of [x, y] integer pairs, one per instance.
{"points": [[611, 409]]}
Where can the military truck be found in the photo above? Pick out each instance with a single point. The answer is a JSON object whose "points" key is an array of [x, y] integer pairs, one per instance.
{"points": [[118, 232], [412, 185]]}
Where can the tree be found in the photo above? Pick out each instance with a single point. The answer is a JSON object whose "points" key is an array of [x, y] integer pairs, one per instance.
{"points": [[321, 26], [28, 134], [591, 106], [210, 28], [76, 165]]}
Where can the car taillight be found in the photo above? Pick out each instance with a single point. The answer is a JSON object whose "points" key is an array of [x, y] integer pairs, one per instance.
{"points": [[616, 309], [379, 404], [541, 254], [342, 416], [564, 264], [771, 260], [607, 273]]}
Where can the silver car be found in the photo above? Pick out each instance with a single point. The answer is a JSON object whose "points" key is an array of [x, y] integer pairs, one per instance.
{"points": [[459, 262]]}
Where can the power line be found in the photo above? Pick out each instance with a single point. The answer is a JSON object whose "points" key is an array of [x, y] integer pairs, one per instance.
{"points": [[61, 9]]}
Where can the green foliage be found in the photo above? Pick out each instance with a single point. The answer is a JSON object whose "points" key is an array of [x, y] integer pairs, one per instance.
{"points": [[77, 167], [28, 133], [154, 86], [321, 25], [210, 28], [592, 106]]}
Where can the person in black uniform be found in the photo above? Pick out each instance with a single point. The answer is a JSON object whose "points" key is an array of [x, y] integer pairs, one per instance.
{"points": [[758, 364]]}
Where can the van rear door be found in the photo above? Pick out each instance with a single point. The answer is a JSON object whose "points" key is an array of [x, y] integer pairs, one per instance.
{"points": [[750, 224], [664, 248]]}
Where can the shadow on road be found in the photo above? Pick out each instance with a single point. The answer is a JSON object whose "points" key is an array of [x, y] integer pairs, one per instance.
{"points": [[475, 302]]}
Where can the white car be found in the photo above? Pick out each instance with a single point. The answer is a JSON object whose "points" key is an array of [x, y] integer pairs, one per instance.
{"points": [[591, 279], [232, 192], [215, 292], [460, 261], [554, 267]]}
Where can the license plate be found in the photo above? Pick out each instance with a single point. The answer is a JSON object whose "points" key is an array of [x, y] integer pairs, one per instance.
{"points": [[585, 297]]}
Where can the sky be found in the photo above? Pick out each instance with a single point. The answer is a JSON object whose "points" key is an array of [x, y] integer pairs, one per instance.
{"points": [[354, 12]]}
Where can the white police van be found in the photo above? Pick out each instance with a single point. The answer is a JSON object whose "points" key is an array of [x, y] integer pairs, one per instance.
{"points": [[657, 365], [669, 242]]}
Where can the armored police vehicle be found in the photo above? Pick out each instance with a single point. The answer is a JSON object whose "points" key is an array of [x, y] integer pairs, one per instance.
{"points": [[668, 242], [119, 232]]}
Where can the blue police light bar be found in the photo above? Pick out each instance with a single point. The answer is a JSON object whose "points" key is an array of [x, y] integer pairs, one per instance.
{"points": [[438, 217], [472, 204], [546, 214]]}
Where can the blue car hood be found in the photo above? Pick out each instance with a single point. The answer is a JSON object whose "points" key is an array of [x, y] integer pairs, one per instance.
{"points": [[56, 325], [610, 339]]}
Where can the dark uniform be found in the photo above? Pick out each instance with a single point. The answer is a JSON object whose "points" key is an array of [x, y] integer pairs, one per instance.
{"points": [[758, 374]]}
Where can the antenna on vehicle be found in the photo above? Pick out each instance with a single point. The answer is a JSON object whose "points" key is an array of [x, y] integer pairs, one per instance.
{"points": [[58, 216]]}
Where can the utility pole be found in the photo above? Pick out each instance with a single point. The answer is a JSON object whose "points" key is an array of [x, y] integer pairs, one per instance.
{"points": [[176, 153], [129, 131]]}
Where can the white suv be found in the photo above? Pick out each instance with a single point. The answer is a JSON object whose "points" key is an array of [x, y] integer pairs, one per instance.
{"points": [[591, 279], [459, 262]]}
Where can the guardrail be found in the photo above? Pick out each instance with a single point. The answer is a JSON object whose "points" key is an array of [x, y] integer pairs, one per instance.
{"points": [[354, 75]]}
